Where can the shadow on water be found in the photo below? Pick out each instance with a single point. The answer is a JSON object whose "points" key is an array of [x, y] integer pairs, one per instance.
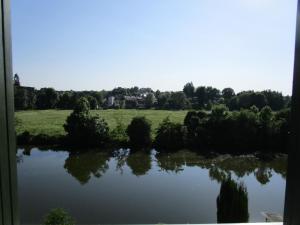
{"points": [[232, 203]]}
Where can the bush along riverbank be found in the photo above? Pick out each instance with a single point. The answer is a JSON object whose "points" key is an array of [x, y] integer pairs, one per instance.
{"points": [[238, 132]]}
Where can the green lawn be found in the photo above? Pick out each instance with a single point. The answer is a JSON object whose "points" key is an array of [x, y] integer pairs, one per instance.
{"points": [[51, 122]]}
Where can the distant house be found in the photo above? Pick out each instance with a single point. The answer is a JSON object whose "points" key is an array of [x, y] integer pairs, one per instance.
{"points": [[132, 98], [134, 102], [110, 101]]}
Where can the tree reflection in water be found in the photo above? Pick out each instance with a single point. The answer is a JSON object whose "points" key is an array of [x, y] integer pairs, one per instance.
{"points": [[83, 165], [120, 156], [232, 203], [139, 162], [223, 167]]}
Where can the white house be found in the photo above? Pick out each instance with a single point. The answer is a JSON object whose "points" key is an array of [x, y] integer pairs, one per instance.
{"points": [[110, 101]]}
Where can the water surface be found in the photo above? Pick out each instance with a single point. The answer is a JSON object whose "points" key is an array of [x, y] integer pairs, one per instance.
{"points": [[124, 187]]}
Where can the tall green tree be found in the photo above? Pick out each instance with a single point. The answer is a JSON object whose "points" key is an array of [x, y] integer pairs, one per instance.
{"points": [[149, 100], [228, 93], [47, 98], [201, 96], [189, 90], [177, 100]]}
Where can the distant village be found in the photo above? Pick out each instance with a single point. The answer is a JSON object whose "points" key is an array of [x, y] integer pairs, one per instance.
{"points": [[128, 101], [191, 97]]}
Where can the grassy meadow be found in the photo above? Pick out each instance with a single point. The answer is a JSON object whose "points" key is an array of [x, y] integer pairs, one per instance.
{"points": [[50, 122]]}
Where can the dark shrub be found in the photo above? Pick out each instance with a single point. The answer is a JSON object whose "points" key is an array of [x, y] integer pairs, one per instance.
{"points": [[283, 126], [58, 217], [170, 136], [219, 112], [188, 117], [85, 129], [43, 139], [242, 130], [24, 138], [266, 115], [195, 123], [139, 132]]}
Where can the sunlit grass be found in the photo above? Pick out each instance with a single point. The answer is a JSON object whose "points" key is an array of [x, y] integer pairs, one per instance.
{"points": [[50, 122]]}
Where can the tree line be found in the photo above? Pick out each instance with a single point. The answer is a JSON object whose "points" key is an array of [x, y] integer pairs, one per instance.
{"points": [[145, 98]]}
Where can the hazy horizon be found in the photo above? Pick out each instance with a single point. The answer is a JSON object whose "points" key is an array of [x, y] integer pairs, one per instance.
{"points": [[75, 45]]}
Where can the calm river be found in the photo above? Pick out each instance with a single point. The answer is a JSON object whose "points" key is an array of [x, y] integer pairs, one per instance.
{"points": [[123, 187]]}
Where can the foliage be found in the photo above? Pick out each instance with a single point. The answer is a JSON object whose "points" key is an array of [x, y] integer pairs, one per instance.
{"points": [[201, 97], [177, 100], [93, 102], [162, 100], [65, 101], [85, 129], [58, 217], [189, 90], [118, 134], [170, 136], [239, 131], [149, 100], [139, 132], [255, 127], [244, 131], [228, 93], [82, 106], [47, 98], [25, 98], [275, 99]]}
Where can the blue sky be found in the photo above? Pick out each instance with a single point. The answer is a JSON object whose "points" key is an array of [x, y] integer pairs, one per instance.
{"points": [[162, 44]]}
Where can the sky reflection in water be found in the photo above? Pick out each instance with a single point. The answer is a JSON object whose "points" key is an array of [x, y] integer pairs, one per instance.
{"points": [[139, 187]]}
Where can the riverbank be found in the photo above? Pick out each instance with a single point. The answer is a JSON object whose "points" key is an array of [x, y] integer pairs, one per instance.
{"points": [[222, 131]]}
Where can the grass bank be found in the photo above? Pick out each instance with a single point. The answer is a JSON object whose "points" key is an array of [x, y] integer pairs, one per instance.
{"points": [[50, 122]]}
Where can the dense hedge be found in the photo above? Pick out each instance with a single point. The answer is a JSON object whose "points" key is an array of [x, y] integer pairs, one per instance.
{"points": [[243, 131]]}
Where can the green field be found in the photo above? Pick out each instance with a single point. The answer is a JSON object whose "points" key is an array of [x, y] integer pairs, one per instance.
{"points": [[50, 122]]}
